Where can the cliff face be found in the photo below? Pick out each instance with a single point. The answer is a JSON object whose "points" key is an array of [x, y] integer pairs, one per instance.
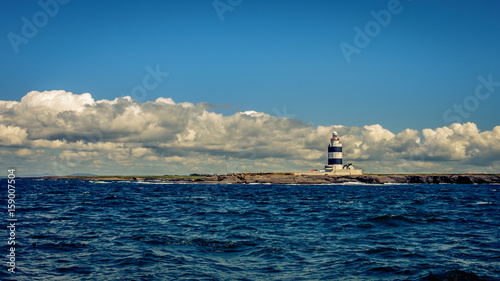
{"points": [[290, 178]]}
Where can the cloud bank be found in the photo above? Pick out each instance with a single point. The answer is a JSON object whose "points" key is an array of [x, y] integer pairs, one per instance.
{"points": [[60, 133]]}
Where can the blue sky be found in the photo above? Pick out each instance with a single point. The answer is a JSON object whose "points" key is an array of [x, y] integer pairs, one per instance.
{"points": [[275, 57], [266, 55]]}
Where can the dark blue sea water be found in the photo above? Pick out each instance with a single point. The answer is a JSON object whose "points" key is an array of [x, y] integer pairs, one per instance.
{"points": [[83, 230]]}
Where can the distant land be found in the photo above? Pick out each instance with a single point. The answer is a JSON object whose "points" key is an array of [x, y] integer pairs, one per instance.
{"points": [[292, 178], [52, 175]]}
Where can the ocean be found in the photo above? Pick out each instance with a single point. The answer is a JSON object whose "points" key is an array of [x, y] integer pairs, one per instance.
{"points": [[117, 230]]}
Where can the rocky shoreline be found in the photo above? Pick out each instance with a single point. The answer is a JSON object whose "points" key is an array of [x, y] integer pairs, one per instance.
{"points": [[291, 178]]}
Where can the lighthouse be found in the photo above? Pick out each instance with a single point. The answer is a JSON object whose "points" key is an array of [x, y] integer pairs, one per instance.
{"points": [[335, 152], [335, 166]]}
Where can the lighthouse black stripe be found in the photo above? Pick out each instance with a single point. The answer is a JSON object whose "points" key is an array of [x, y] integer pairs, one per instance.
{"points": [[337, 149]]}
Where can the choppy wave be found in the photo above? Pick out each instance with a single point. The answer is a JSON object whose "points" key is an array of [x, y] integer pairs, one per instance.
{"points": [[82, 230]]}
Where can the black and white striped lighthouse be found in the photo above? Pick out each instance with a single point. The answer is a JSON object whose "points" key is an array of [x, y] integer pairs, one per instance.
{"points": [[335, 152]]}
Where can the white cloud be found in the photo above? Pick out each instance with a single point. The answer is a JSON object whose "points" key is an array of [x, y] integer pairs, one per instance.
{"points": [[7, 104], [57, 100], [139, 152], [79, 131], [12, 135], [23, 152], [377, 134], [254, 113], [80, 155], [165, 100]]}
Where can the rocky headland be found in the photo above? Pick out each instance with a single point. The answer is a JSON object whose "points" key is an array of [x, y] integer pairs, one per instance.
{"points": [[292, 178]]}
